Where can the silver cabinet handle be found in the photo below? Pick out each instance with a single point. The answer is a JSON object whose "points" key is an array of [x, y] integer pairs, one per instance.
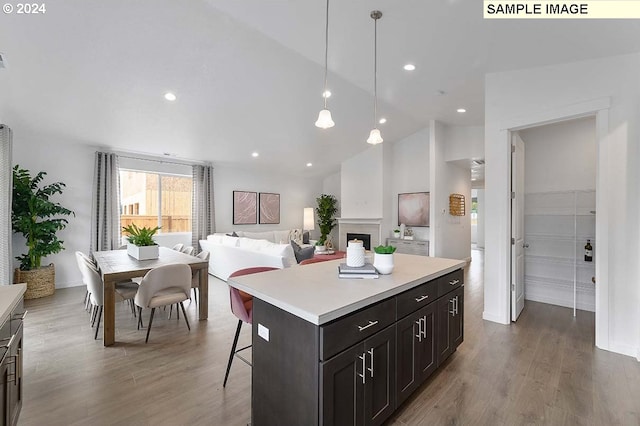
{"points": [[8, 345], [371, 353], [424, 327], [364, 377], [453, 310], [456, 305], [20, 316], [421, 298], [454, 282], [419, 335], [371, 324]]}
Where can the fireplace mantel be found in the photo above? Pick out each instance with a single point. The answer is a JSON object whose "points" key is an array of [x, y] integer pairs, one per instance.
{"points": [[361, 221]]}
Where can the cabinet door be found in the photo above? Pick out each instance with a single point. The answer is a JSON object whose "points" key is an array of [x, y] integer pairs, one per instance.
{"points": [[15, 386], [380, 385], [407, 335], [443, 335], [457, 320], [426, 354], [343, 388], [4, 390]]}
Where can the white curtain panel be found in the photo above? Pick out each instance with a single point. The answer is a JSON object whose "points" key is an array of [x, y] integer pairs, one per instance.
{"points": [[6, 190], [105, 208], [202, 209]]}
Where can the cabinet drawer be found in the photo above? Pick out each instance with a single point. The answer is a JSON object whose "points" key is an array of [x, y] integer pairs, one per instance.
{"points": [[17, 317], [416, 298], [349, 330], [450, 282]]}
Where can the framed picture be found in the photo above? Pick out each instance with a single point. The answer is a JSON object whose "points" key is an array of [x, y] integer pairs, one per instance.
{"points": [[245, 207], [413, 209], [269, 208]]}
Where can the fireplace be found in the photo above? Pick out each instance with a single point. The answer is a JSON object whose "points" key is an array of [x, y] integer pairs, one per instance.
{"points": [[365, 238], [350, 227]]}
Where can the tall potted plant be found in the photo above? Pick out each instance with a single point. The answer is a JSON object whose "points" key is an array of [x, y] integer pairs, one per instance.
{"points": [[326, 210], [38, 219]]}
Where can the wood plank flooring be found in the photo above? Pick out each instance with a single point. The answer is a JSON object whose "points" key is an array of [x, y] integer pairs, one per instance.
{"points": [[544, 369]]}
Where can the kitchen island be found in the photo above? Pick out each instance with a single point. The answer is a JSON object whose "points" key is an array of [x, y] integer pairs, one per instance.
{"points": [[339, 351]]}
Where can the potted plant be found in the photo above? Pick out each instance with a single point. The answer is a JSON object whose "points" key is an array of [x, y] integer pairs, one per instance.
{"points": [[396, 233], [38, 219], [320, 247], [326, 210], [141, 244], [383, 260]]}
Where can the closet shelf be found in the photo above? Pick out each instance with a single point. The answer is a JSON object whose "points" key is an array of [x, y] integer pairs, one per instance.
{"points": [[558, 237], [559, 260]]}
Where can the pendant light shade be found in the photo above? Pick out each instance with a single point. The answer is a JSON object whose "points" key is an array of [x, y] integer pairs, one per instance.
{"points": [[375, 137], [324, 118]]}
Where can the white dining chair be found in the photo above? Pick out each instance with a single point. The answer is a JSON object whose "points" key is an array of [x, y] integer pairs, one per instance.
{"points": [[195, 277], [187, 250]]}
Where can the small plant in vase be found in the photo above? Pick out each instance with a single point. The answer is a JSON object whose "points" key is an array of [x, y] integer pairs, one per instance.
{"points": [[396, 233], [383, 260], [141, 244]]}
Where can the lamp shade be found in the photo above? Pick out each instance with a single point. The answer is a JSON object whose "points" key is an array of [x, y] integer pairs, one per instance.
{"points": [[324, 119], [374, 137], [308, 223]]}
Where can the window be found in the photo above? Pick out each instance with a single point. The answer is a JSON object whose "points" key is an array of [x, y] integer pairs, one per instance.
{"points": [[156, 199]]}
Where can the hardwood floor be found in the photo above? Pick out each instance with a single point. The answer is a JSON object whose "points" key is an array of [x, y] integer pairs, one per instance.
{"points": [[544, 369]]}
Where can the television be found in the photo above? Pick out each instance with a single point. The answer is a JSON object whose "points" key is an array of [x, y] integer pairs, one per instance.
{"points": [[413, 209]]}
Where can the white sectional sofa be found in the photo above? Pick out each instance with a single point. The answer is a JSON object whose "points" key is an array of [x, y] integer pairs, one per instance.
{"points": [[229, 254]]}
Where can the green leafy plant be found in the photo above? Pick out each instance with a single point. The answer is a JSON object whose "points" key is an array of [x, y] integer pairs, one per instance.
{"points": [[140, 236], [326, 210], [396, 230], [36, 217], [384, 249]]}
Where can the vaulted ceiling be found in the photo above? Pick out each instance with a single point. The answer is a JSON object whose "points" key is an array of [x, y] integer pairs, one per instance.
{"points": [[248, 73]]}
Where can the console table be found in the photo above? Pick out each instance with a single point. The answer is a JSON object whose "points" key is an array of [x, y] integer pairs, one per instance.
{"points": [[332, 351], [419, 247]]}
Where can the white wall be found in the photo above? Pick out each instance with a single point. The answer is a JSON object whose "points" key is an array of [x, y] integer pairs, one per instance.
{"points": [[538, 95], [481, 218], [295, 195], [71, 163], [410, 173], [362, 184], [560, 156], [463, 142]]}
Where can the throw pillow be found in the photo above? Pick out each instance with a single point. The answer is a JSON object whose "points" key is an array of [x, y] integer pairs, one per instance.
{"points": [[302, 253], [233, 234], [296, 235], [305, 237]]}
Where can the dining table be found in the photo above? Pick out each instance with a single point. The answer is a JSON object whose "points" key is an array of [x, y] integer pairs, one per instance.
{"points": [[117, 266]]}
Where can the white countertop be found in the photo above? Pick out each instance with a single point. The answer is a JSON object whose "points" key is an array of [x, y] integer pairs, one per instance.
{"points": [[315, 293], [9, 297]]}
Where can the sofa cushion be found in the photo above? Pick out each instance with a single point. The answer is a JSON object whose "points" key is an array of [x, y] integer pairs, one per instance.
{"points": [[233, 234], [281, 237], [305, 237], [296, 235], [229, 241], [302, 253], [260, 235]]}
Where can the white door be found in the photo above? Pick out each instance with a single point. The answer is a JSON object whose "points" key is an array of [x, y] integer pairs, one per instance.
{"points": [[517, 227]]}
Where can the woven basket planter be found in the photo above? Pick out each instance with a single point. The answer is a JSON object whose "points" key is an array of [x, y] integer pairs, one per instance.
{"points": [[40, 282]]}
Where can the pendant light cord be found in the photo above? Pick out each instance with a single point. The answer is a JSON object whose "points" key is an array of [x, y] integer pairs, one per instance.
{"points": [[375, 71], [326, 55]]}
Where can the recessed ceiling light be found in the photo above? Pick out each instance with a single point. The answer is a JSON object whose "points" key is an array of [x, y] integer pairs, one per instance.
{"points": [[309, 164], [254, 154], [170, 96], [382, 120], [409, 67], [474, 179], [461, 110], [326, 94]]}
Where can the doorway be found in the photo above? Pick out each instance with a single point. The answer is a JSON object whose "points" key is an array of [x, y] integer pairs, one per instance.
{"points": [[553, 215]]}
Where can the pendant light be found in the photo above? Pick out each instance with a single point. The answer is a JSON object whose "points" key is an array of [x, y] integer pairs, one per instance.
{"points": [[324, 118], [375, 137]]}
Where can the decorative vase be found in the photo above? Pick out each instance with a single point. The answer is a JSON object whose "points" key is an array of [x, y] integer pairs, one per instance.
{"points": [[383, 263], [321, 248], [40, 282], [396, 234], [143, 252]]}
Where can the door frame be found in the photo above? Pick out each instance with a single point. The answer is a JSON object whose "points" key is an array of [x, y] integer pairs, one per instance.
{"points": [[598, 108]]}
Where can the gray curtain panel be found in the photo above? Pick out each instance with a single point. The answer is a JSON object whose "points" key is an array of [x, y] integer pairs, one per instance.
{"points": [[6, 190], [105, 208], [202, 209]]}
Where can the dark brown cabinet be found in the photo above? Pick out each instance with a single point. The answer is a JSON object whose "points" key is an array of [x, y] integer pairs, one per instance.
{"points": [[450, 317], [358, 385], [416, 350], [357, 369], [11, 353]]}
